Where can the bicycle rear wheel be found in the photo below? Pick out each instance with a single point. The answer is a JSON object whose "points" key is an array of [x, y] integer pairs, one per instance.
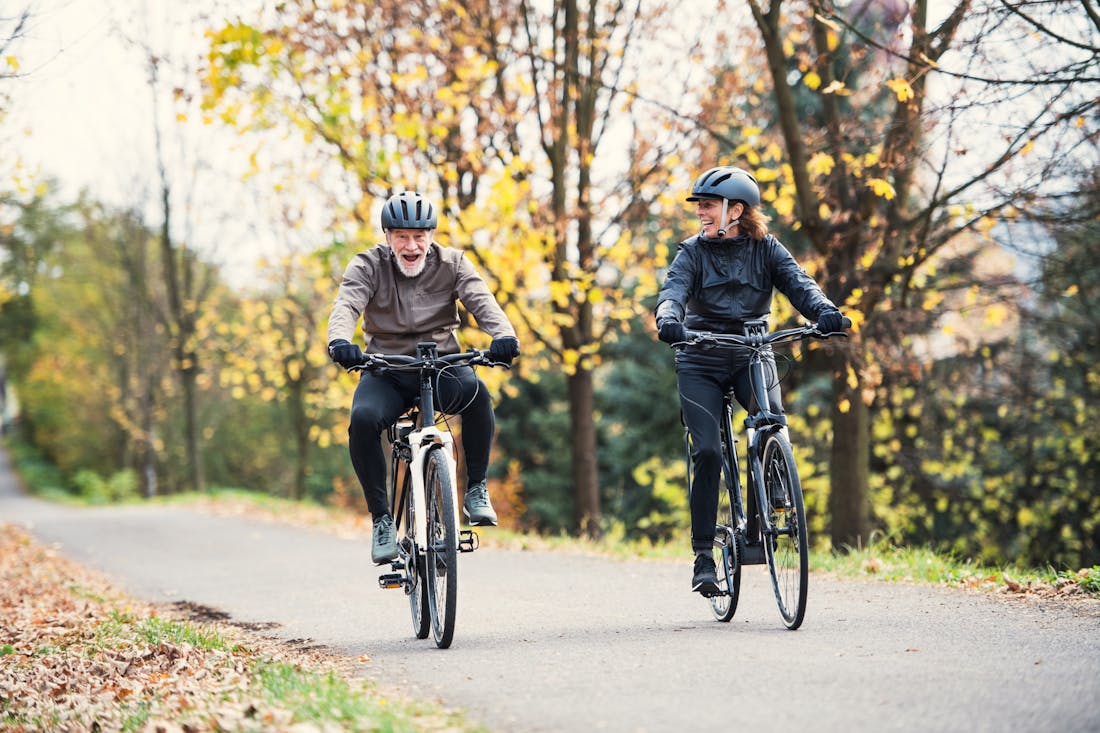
{"points": [[417, 589], [787, 549], [441, 554], [724, 606]]}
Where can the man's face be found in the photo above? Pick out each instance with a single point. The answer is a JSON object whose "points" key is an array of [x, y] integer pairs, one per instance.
{"points": [[411, 247], [709, 212]]}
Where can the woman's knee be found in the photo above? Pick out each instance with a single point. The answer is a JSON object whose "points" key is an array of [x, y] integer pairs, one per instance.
{"points": [[706, 457]]}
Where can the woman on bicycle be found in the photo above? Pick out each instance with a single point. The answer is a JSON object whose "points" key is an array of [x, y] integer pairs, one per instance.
{"points": [[720, 278], [407, 290]]}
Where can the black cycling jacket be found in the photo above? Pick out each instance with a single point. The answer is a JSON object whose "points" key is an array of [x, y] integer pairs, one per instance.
{"points": [[717, 285]]}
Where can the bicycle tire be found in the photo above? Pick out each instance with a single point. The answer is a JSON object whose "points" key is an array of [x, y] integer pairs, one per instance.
{"points": [[724, 606], [787, 550], [417, 588], [441, 553]]}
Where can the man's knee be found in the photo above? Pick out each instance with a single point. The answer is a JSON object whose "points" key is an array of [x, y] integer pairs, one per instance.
{"points": [[366, 421]]}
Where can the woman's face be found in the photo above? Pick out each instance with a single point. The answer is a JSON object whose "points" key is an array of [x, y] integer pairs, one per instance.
{"points": [[709, 212]]}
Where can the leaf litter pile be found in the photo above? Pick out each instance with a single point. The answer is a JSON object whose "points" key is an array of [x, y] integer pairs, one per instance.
{"points": [[77, 655]]}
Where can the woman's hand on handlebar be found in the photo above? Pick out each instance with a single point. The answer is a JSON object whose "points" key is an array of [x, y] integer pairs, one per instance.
{"points": [[833, 322]]}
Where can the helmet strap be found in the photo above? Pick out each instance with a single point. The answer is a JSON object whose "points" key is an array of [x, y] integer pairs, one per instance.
{"points": [[725, 210], [726, 227]]}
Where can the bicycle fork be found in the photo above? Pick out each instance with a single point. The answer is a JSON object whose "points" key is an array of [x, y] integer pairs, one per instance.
{"points": [[426, 440]]}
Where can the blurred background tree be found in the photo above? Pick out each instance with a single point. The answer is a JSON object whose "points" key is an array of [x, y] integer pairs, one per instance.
{"points": [[932, 166]]}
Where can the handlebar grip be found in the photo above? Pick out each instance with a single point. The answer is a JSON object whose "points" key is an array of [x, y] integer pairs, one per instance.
{"points": [[847, 322]]}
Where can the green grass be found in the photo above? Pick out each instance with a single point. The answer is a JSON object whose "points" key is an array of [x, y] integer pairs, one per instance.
{"points": [[328, 699], [124, 629]]}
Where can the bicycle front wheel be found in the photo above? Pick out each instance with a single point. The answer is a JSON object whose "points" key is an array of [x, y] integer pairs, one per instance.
{"points": [[724, 605], [441, 556], [417, 588], [787, 546]]}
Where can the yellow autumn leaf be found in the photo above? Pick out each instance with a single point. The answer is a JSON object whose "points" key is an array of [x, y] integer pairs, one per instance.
{"points": [[995, 315], [844, 405], [901, 88], [1070, 291], [784, 205], [882, 188], [811, 79], [13, 62], [821, 164], [838, 88]]}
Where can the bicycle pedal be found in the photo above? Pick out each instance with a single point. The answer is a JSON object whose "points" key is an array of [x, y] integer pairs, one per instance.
{"points": [[391, 580], [468, 540]]}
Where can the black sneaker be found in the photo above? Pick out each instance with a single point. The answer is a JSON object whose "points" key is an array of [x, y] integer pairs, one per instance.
{"points": [[705, 579]]}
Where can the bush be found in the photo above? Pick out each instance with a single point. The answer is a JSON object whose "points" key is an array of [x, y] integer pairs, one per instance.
{"points": [[121, 486]]}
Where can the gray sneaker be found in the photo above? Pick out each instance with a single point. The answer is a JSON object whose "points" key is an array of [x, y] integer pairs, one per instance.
{"points": [[383, 546], [476, 506]]}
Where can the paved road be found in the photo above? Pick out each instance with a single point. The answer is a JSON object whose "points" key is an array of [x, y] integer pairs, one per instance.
{"points": [[558, 642]]}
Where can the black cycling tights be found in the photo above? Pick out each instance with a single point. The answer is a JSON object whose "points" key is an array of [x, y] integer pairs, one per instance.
{"points": [[381, 398], [703, 377]]}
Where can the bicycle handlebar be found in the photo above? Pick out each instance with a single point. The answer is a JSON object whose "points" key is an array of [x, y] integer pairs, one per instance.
{"points": [[787, 335], [380, 362]]}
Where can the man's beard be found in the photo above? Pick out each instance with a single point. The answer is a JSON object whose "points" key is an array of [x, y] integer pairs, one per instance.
{"points": [[414, 270]]}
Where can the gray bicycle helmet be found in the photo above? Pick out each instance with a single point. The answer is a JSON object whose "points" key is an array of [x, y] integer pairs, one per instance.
{"points": [[408, 210], [726, 182]]}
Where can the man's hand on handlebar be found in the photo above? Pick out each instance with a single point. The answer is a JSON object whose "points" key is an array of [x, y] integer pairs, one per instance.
{"points": [[345, 353], [503, 350]]}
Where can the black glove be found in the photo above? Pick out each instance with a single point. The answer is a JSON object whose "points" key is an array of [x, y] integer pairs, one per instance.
{"points": [[502, 350], [671, 331], [830, 322], [345, 353]]}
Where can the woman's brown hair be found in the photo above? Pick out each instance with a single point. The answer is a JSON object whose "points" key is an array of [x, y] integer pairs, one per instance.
{"points": [[754, 222]]}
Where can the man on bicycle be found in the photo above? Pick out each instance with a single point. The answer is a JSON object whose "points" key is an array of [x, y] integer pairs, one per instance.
{"points": [[407, 291], [720, 278]]}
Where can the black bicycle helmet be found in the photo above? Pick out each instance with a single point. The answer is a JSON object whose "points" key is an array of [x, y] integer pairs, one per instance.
{"points": [[726, 182], [408, 210]]}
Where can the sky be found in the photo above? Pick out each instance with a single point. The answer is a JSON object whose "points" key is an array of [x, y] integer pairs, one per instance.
{"points": [[83, 115]]}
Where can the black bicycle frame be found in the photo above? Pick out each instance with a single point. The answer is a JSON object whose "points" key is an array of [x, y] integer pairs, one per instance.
{"points": [[763, 422]]}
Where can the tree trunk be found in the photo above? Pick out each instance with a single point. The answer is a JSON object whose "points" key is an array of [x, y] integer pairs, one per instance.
{"points": [[300, 423], [849, 478], [586, 484], [196, 473]]}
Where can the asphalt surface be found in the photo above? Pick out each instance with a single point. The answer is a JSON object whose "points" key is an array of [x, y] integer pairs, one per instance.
{"points": [[549, 641]]}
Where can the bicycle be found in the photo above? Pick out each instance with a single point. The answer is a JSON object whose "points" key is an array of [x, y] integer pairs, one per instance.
{"points": [[423, 497], [766, 523]]}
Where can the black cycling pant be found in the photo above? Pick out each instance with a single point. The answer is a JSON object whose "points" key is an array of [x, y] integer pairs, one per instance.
{"points": [[703, 377], [382, 398]]}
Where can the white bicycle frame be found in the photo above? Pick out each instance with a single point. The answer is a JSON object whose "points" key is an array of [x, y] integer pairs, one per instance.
{"points": [[421, 441]]}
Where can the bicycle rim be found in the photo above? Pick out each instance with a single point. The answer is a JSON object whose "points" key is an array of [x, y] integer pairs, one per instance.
{"points": [[787, 550], [418, 586], [724, 606], [441, 555]]}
